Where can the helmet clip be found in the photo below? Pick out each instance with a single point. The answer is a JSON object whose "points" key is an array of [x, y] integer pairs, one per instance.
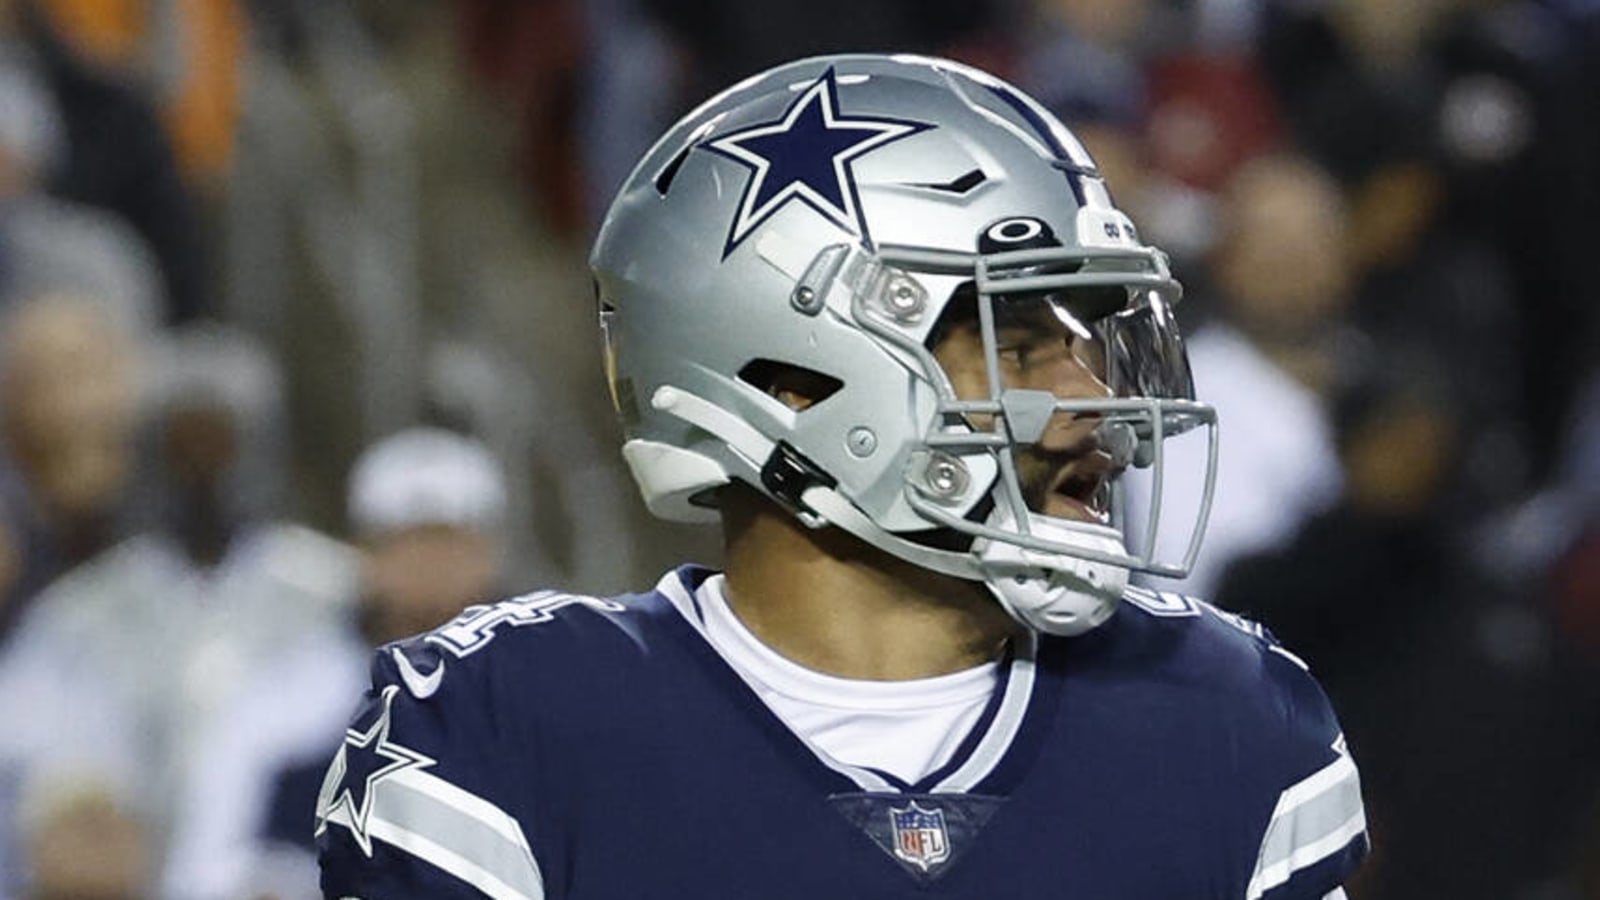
{"points": [[787, 474]]}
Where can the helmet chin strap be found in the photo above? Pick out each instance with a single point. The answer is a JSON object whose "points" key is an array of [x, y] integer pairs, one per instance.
{"points": [[1047, 592], [1053, 592]]}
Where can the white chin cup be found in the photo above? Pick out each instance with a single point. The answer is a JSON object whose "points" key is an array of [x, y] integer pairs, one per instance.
{"points": [[1053, 592]]}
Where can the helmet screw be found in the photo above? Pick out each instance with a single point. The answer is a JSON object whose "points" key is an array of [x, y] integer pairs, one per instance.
{"points": [[862, 442], [905, 298], [945, 476], [806, 300]]}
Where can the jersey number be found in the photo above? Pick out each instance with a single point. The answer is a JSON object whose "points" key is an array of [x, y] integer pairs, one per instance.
{"points": [[475, 627]]}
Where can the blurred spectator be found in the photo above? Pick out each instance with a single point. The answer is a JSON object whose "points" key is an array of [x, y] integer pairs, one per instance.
{"points": [[185, 52], [46, 244], [85, 848], [1086, 58], [1574, 534], [1467, 724], [68, 761], [109, 152], [1267, 361], [1573, 527], [69, 388], [1435, 148], [427, 507], [1460, 116], [69, 373], [727, 40], [1208, 115], [219, 436], [531, 55], [629, 91], [163, 627]]}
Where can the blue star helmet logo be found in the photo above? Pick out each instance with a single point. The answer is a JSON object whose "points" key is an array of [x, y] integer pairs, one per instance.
{"points": [[806, 155]]}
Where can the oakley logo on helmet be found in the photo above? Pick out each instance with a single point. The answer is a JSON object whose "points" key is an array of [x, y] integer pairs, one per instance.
{"points": [[1015, 231]]}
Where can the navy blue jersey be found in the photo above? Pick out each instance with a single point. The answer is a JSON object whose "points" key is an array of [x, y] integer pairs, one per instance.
{"points": [[558, 746]]}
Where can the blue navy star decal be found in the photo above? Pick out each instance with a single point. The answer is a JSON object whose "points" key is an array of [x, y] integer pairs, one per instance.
{"points": [[365, 759], [806, 155]]}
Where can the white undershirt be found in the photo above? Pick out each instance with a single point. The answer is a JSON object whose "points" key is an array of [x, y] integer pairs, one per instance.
{"points": [[905, 728]]}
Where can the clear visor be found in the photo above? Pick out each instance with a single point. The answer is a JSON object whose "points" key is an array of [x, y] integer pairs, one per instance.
{"points": [[1077, 344], [1064, 366]]}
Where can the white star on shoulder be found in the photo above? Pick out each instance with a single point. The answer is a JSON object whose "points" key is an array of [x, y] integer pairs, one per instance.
{"points": [[339, 805]]}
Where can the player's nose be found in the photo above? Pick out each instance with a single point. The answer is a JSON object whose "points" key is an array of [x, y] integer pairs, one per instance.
{"points": [[1072, 379]]}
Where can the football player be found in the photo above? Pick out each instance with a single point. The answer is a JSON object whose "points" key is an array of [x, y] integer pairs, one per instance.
{"points": [[879, 315]]}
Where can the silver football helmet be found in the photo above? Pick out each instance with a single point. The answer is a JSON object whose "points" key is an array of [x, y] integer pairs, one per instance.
{"points": [[826, 223]]}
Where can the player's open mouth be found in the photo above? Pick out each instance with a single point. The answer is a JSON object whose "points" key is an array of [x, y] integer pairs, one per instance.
{"points": [[1082, 491]]}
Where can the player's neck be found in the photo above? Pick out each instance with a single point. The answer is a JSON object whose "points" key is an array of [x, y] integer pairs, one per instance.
{"points": [[834, 604]]}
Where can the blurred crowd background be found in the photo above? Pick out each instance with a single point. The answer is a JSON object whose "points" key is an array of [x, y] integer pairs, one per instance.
{"points": [[297, 356]]}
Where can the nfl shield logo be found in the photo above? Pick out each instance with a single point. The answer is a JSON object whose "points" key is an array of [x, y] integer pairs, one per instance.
{"points": [[920, 837]]}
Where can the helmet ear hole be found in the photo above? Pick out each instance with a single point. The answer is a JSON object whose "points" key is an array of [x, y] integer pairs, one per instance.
{"points": [[797, 387]]}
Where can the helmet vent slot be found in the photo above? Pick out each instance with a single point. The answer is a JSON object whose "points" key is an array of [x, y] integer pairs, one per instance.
{"points": [[960, 185], [669, 171], [796, 386]]}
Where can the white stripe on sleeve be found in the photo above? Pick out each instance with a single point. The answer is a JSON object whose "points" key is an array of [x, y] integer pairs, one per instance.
{"points": [[1314, 819], [455, 830]]}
